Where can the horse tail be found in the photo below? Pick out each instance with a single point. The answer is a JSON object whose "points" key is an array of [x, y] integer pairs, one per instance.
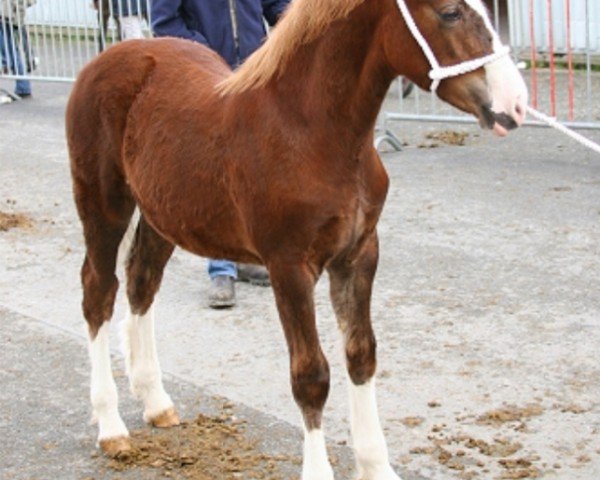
{"points": [[96, 121], [97, 111]]}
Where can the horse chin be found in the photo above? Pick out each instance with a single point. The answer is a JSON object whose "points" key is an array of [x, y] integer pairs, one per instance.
{"points": [[499, 123], [500, 130], [470, 94]]}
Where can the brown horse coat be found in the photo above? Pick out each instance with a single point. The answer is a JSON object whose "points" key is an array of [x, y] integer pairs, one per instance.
{"points": [[272, 164]]}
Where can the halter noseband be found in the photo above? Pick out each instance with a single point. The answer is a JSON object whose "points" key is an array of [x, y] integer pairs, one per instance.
{"points": [[439, 73]]}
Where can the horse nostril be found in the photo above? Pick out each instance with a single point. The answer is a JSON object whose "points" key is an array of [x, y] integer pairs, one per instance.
{"points": [[519, 113]]}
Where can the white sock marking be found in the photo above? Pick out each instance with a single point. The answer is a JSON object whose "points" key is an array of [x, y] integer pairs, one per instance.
{"points": [[103, 390], [141, 362], [316, 464], [368, 440]]}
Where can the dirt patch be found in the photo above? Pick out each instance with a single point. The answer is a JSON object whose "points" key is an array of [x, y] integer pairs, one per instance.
{"points": [[510, 414], [422, 450], [499, 456], [9, 221], [446, 137], [519, 468], [470, 457], [204, 449], [412, 422], [499, 448], [573, 408]]}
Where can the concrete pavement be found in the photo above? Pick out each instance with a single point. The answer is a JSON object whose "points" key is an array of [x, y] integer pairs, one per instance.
{"points": [[487, 298]]}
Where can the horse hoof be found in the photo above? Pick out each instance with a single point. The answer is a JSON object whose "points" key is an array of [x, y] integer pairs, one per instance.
{"points": [[166, 419], [116, 447]]}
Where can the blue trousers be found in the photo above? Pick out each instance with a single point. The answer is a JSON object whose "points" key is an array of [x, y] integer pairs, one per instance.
{"points": [[221, 267], [11, 57]]}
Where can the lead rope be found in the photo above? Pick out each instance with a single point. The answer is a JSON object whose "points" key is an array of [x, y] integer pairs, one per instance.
{"points": [[552, 122], [439, 73]]}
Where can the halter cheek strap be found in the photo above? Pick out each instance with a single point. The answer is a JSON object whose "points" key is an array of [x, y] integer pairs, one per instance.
{"points": [[439, 73]]}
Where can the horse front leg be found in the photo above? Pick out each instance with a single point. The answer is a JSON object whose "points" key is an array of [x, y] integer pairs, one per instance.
{"points": [[293, 285], [351, 281]]}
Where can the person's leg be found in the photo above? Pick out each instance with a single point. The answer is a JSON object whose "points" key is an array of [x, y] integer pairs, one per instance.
{"points": [[29, 60], [3, 49], [23, 88], [103, 24], [222, 290], [5, 96], [254, 274], [131, 27], [15, 63], [217, 268]]}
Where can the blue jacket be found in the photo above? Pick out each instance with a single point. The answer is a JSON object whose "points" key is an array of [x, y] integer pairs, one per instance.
{"points": [[211, 22]]}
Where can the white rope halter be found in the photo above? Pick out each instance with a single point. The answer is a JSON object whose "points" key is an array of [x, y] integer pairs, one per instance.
{"points": [[439, 73]]}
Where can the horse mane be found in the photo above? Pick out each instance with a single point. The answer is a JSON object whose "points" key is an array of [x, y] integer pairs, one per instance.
{"points": [[303, 21]]}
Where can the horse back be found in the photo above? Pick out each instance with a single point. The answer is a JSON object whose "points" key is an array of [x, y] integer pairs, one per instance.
{"points": [[108, 86], [100, 104]]}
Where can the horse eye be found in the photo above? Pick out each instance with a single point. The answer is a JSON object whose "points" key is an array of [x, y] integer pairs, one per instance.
{"points": [[451, 16]]}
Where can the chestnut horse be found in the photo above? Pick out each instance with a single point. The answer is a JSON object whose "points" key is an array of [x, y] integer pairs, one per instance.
{"points": [[272, 164]]}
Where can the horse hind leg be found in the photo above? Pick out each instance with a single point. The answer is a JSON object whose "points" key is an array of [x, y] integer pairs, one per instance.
{"points": [[351, 283], [147, 258], [103, 234], [113, 436]]}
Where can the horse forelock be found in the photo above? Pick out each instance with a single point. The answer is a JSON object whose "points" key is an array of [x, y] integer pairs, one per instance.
{"points": [[303, 22], [479, 7]]}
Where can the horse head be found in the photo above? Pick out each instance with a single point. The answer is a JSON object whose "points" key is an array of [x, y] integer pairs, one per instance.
{"points": [[459, 56]]}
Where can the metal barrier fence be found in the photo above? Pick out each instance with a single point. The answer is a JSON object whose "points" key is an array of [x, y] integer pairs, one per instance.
{"points": [[52, 40]]}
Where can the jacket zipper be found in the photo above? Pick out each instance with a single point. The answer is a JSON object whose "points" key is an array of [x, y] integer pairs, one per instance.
{"points": [[234, 25]]}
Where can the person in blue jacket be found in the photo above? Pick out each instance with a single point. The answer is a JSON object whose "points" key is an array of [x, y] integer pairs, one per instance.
{"points": [[234, 29], [129, 15]]}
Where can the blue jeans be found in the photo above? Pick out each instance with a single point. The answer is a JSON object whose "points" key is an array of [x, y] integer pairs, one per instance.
{"points": [[11, 57], [221, 267]]}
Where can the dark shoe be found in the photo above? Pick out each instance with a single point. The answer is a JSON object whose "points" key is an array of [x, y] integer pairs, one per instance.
{"points": [[222, 292], [255, 274], [24, 96]]}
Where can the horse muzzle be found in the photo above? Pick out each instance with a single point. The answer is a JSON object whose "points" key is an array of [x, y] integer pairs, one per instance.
{"points": [[509, 95], [500, 123]]}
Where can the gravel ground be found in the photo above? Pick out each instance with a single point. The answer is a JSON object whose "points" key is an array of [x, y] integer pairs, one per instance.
{"points": [[486, 302]]}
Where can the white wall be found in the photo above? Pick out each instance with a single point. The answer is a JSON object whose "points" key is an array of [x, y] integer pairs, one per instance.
{"points": [[520, 25], [63, 13]]}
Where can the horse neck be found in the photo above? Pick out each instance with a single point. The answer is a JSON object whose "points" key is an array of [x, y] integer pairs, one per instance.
{"points": [[339, 81]]}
